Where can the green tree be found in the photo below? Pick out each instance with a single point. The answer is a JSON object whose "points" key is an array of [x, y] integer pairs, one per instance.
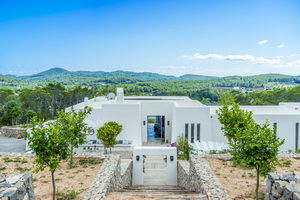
{"points": [[108, 134], [251, 145], [226, 98], [11, 112], [234, 121], [49, 146], [73, 128]]}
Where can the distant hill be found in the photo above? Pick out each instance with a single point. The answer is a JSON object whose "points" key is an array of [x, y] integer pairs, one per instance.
{"points": [[60, 74]]}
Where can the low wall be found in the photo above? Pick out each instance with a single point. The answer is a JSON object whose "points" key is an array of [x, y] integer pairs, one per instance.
{"points": [[16, 187], [283, 186], [196, 175], [12, 131], [113, 175]]}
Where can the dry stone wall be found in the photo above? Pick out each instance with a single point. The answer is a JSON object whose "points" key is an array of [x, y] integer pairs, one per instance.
{"points": [[16, 187], [113, 175], [283, 186], [12, 131], [196, 175]]}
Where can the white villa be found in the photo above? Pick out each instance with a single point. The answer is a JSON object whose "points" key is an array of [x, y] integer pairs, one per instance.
{"points": [[152, 120]]}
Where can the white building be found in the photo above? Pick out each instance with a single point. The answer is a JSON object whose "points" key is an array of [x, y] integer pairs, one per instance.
{"points": [[151, 120]]}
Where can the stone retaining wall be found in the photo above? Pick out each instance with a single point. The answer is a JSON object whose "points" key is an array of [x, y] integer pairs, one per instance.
{"points": [[196, 175], [283, 186], [12, 131], [16, 187], [113, 175]]}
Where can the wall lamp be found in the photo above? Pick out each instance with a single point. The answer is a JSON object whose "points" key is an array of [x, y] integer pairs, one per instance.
{"points": [[137, 158], [172, 158], [144, 122]]}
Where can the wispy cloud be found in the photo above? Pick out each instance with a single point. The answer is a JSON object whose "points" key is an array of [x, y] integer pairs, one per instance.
{"points": [[245, 57], [280, 46], [262, 42]]}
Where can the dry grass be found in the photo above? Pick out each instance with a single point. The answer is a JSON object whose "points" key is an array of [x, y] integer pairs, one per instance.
{"points": [[240, 183], [78, 178]]}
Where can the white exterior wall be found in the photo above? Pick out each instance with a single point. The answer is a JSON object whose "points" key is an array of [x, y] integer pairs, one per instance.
{"points": [[183, 115], [128, 115], [286, 128]]}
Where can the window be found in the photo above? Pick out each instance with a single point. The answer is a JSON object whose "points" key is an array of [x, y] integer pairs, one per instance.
{"points": [[186, 131], [275, 127], [192, 133], [198, 132], [297, 136]]}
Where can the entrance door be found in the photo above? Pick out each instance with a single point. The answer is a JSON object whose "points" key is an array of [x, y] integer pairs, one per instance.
{"points": [[155, 169], [156, 129]]}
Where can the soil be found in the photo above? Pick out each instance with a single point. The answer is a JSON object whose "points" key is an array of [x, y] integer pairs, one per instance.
{"points": [[77, 179], [240, 183]]}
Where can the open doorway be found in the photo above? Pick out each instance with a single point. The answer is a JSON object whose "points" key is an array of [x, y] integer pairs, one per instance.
{"points": [[156, 129]]}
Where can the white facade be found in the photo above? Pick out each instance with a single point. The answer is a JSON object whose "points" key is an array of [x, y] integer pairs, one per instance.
{"points": [[181, 116]]}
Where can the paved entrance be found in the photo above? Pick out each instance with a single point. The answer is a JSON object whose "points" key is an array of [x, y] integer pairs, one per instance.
{"points": [[155, 170], [154, 166]]}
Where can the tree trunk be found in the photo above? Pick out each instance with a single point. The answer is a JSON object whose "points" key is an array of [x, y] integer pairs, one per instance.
{"points": [[110, 150], [71, 157], [257, 181], [53, 186]]}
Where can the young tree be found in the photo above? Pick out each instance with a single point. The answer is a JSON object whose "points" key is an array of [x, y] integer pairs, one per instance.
{"points": [[108, 134], [257, 148], [234, 121], [252, 145], [73, 128], [226, 98], [49, 146], [184, 148]]}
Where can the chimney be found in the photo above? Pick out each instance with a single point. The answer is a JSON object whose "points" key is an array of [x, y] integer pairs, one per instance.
{"points": [[120, 95], [86, 101]]}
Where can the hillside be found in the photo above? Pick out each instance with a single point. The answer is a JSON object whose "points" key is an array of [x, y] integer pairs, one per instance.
{"points": [[153, 81]]}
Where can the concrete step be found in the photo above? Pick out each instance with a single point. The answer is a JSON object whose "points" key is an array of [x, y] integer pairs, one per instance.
{"points": [[157, 192]]}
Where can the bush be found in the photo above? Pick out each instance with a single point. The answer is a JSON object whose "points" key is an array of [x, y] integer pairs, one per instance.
{"points": [[184, 149], [68, 195]]}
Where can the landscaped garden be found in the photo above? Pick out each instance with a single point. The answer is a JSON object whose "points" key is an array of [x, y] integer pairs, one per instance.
{"points": [[71, 183], [240, 182]]}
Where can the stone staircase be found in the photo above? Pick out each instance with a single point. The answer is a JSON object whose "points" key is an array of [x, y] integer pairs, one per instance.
{"points": [[159, 192]]}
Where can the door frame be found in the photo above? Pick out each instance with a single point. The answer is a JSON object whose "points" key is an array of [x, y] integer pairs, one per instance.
{"points": [[163, 127]]}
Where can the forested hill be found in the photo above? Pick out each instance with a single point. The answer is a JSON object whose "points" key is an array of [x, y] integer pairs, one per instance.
{"points": [[55, 74], [145, 81]]}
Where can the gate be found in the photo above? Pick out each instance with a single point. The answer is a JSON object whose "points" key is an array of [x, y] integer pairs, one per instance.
{"points": [[154, 166]]}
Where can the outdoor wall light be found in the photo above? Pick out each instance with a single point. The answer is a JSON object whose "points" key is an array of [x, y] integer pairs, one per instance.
{"points": [[172, 158], [137, 158], [144, 122], [168, 123]]}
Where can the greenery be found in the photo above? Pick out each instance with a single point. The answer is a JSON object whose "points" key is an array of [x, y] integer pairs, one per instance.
{"points": [[72, 126], [49, 145], [184, 148], [68, 195], [252, 145], [108, 134]]}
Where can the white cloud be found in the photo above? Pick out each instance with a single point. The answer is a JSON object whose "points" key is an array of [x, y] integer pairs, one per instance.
{"points": [[296, 62], [245, 57], [262, 42], [280, 46]]}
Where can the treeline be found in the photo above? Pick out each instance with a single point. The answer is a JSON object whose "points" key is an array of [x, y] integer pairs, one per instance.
{"points": [[45, 102]]}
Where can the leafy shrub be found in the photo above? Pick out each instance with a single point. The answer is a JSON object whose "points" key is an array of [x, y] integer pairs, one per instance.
{"points": [[285, 163], [184, 149]]}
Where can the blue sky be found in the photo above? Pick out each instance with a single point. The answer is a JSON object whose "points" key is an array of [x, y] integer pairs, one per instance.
{"points": [[165, 36]]}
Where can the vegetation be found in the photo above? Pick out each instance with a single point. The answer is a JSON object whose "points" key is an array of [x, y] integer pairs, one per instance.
{"points": [[108, 134], [252, 145], [184, 149], [72, 126], [49, 145]]}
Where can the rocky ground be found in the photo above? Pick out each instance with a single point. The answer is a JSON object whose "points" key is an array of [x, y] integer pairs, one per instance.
{"points": [[69, 181], [240, 182]]}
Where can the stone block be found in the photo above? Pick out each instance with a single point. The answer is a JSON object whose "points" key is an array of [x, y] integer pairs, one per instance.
{"points": [[278, 188]]}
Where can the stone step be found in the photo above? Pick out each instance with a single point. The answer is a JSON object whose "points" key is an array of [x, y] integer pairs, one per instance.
{"points": [[158, 192]]}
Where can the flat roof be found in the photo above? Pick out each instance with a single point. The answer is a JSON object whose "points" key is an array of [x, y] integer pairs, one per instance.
{"points": [[263, 110]]}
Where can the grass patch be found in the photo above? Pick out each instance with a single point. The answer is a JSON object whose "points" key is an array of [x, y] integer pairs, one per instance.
{"points": [[89, 161], [15, 160], [68, 195], [21, 169], [285, 163], [2, 168]]}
